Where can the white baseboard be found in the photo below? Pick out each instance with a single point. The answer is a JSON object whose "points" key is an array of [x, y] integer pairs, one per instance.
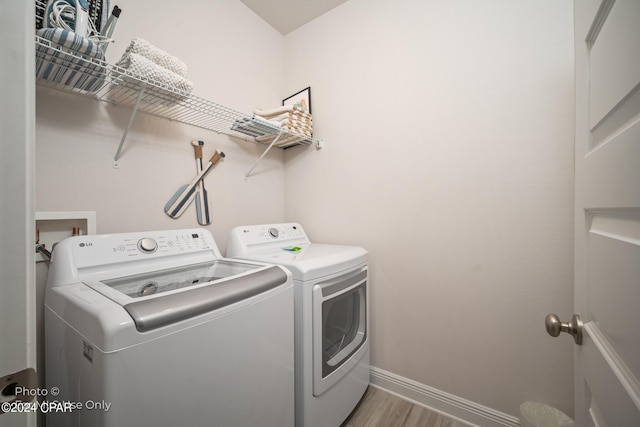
{"points": [[447, 404]]}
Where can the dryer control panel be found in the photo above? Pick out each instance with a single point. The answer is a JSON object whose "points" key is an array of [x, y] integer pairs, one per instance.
{"points": [[257, 238]]}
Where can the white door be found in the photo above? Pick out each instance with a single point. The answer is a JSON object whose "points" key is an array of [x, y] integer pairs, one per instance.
{"points": [[607, 251], [17, 258]]}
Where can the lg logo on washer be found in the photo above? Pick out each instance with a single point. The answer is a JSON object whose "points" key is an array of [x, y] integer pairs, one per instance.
{"points": [[82, 245]]}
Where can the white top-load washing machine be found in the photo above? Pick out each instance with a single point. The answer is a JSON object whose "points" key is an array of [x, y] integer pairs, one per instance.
{"points": [[157, 329], [331, 316]]}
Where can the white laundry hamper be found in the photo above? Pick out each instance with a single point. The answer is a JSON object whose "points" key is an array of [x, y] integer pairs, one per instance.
{"points": [[535, 414]]}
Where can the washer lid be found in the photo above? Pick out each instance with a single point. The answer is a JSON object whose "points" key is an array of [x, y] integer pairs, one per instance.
{"points": [[157, 282], [160, 298], [313, 260]]}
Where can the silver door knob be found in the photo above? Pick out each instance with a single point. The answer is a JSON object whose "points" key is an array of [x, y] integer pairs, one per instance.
{"points": [[554, 326]]}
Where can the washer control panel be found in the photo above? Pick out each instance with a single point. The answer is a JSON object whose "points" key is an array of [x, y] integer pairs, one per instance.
{"points": [[116, 248]]}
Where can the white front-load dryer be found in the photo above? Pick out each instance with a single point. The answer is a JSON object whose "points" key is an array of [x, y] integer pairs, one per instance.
{"points": [[331, 316]]}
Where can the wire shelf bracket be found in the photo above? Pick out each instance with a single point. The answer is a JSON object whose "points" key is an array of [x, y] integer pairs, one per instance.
{"points": [[116, 157], [246, 177]]}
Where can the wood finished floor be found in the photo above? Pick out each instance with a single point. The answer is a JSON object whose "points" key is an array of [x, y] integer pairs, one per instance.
{"points": [[381, 409]]}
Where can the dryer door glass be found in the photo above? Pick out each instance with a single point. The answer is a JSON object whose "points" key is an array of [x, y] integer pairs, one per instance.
{"points": [[339, 323], [343, 326]]}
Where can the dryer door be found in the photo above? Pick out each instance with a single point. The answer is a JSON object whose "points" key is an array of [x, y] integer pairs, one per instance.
{"points": [[339, 327]]}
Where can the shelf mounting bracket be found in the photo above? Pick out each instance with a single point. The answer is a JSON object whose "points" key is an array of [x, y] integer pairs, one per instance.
{"points": [[263, 154], [116, 165]]}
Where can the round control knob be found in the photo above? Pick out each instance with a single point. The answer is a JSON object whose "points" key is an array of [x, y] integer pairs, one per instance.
{"points": [[147, 245], [273, 232]]}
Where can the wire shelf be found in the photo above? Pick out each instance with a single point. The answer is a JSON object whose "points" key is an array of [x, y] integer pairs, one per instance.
{"points": [[97, 79]]}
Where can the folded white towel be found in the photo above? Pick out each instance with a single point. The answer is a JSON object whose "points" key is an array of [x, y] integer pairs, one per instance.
{"points": [[147, 69], [267, 121], [142, 47], [301, 115], [294, 119], [289, 117], [167, 87], [302, 130], [278, 118], [295, 122], [276, 111]]}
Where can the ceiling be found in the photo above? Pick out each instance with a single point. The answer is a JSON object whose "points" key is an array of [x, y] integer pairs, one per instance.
{"points": [[287, 15]]}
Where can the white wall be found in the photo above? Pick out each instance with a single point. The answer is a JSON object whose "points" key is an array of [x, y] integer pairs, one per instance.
{"points": [[234, 59], [449, 157], [449, 141]]}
